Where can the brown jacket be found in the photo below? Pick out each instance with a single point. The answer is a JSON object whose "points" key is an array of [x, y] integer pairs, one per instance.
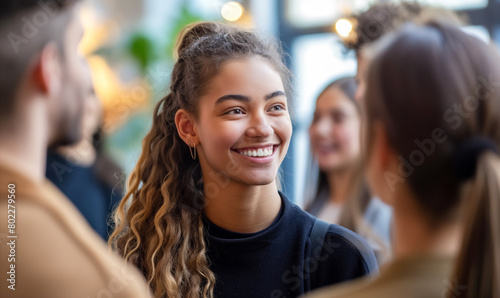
{"points": [[49, 250], [411, 277]]}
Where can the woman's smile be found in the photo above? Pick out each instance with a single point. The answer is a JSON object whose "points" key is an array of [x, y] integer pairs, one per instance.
{"points": [[259, 154]]}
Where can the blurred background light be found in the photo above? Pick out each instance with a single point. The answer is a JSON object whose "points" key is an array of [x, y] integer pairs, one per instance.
{"points": [[343, 27], [232, 11]]}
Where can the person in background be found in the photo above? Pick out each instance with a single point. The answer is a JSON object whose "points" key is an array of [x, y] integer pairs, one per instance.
{"points": [[432, 132], [85, 173], [367, 216], [385, 17], [336, 191], [47, 249], [203, 216]]}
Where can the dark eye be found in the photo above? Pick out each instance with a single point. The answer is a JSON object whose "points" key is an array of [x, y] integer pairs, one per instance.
{"points": [[338, 117], [277, 108], [235, 111]]}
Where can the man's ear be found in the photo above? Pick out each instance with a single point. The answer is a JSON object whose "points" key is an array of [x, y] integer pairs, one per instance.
{"points": [[47, 74], [186, 128]]}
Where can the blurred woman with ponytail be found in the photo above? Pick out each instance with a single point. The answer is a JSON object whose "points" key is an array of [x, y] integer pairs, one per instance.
{"points": [[432, 132], [203, 216]]}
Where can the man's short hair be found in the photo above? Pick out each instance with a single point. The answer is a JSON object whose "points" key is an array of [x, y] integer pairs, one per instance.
{"points": [[10, 7], [385, 17], [26, 27]]}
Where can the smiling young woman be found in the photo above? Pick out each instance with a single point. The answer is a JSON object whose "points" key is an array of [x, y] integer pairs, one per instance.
{"points": [[336, 191], [203, 216]]}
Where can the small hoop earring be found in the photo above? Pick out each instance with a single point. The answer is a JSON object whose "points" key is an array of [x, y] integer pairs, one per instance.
{"points": [[192, 150]]}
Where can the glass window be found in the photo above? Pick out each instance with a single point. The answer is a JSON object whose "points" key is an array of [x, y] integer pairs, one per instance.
{"points": [[457, 4], [496, 34], [310, 13]]}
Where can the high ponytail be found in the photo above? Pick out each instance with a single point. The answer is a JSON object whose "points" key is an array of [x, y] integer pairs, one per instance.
{"points": [[158, 224], [477, 271], [192, 33]]}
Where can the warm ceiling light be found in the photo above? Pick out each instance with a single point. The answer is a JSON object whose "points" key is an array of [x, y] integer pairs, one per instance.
{"points": [[232, 11], [343, 27]]}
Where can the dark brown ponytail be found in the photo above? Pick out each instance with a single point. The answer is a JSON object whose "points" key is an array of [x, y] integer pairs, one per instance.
{"points": [[435, 88]]}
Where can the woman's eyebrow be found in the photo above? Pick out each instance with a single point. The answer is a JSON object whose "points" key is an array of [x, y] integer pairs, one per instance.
{"points": [[232, 97], [275, 94], [245, 98]]}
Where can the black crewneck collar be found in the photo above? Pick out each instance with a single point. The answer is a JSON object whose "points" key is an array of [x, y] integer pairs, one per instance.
{"points": [[230, 240]]}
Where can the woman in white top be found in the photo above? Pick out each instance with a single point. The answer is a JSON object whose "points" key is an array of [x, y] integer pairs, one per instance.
{"points": [[336, 192]]}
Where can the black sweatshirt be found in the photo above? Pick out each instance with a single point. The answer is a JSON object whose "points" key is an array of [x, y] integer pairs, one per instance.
{"points": [[277, 262]]}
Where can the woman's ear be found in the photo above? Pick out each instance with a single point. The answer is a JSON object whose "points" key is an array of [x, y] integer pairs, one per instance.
{"points": [[186, 128], [382, 145], [382, 167]]}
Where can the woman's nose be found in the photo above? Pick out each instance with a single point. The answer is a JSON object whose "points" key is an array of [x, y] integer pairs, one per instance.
{"points": [[260, 127], [322, 127]]}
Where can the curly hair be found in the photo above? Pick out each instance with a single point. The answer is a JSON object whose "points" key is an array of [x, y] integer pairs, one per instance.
{"points": [[158, 224]]}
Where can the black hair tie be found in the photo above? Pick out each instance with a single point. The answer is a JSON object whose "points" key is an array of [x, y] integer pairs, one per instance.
{"points": [[467, 155]]}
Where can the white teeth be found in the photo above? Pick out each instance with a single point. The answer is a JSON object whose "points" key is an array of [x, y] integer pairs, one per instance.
{"points": [[259, 152]]}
